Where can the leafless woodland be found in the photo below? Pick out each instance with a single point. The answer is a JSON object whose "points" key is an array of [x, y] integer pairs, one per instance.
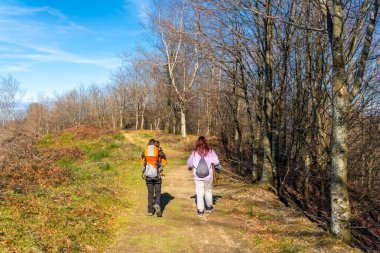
{"points": [[291, 87]]}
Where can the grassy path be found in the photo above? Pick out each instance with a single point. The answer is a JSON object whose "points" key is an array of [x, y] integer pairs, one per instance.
{"points": [[247, 218]]}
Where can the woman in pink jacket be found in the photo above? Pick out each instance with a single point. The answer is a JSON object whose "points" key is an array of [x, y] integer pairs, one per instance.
{"points": [[201, 160]]}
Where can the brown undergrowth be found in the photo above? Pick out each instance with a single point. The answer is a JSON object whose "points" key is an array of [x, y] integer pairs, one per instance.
{"points": [[86, 132], [58, 191], [364, 206], [27, 166]]}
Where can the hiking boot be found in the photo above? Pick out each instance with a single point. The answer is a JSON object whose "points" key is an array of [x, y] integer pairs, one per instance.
{"points": [[210, 209], [151, 213], [200, 213], [158, 210]]}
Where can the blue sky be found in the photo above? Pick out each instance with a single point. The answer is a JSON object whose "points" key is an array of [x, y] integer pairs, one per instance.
{"points": [[53, 46]]}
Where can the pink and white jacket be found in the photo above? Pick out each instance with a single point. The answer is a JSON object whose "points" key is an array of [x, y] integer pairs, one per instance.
{"points": [[211, 158]]}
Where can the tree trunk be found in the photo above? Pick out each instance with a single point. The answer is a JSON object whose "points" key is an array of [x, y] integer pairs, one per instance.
{"points": [[137, 119], [250, 121], [307, 165], [173, 116], [174, 124], [306, 122], [267, 176], [198, 127], [168, 114], [259, 121], [183, 122], [209, 118], [340, 202], [121, 118], [209, 100], [319, 133], [142, 115], [236, 109], [370, 175], [157, 124]]}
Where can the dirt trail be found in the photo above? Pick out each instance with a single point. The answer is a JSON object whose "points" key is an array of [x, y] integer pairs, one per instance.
{"points": [[247, 219]]}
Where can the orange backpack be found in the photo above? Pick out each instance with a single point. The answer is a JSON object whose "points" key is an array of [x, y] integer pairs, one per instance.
{"points": [[150, 161]]}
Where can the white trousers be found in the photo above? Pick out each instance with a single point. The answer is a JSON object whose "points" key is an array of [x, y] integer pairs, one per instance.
{"points": [[204, 192]]}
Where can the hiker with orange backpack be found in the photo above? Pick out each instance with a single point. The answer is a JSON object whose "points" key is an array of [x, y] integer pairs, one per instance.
{"points": [[201, 161], [151, 160], [162, 158]]}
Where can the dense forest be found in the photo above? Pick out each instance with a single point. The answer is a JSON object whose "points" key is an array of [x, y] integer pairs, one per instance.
{"points": [[291, 87]]}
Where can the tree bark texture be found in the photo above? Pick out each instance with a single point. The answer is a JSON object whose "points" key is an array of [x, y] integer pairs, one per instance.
{"points": [[340, 202], [267, 176]]}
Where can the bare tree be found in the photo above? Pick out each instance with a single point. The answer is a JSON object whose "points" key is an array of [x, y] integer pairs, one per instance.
{"points": [[181, 56], [342, 99], [9, 98]]}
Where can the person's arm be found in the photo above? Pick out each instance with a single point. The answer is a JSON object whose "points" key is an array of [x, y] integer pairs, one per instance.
{"points": [[190, 161], [142, 161], [216, 162], [162, 154]]}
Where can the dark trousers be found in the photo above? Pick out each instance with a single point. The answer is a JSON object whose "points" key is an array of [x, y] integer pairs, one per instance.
{"points": [[154, 193]]}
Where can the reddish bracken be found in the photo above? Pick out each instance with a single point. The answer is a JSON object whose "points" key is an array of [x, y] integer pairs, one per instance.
{"points": [[55, 154], [27, 176], [25, 167], [87, 132]]}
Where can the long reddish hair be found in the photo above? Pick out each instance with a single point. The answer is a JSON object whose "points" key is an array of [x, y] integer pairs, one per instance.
{"points": [[201, 146]]}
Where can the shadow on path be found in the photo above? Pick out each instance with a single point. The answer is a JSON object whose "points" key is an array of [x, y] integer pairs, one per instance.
{"points": [[214, 198], [165, 199]]}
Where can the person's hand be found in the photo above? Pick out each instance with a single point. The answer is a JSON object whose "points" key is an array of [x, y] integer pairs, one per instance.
{"points": [[218, 168]]}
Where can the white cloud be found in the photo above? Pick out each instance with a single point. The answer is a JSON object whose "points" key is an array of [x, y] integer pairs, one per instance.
{"points": [[78, 27], [26, 23], [44, 54], [22, 67], [14, 10], [142, 7], [56, 55], [24, 36]]}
